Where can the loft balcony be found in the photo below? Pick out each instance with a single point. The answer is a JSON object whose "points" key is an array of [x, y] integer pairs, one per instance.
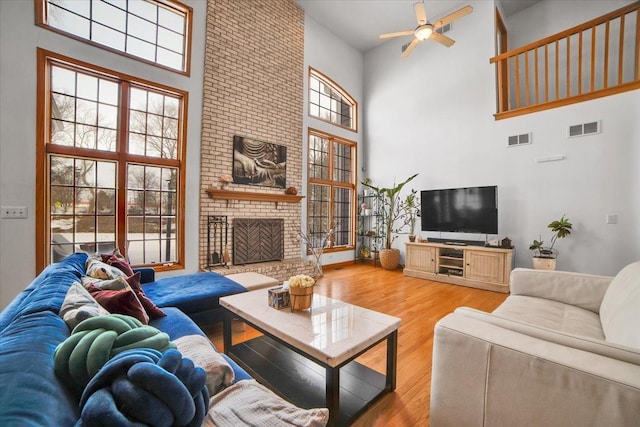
{"points": [[598, 58]]}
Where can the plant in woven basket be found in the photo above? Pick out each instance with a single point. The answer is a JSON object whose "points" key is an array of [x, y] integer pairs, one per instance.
{"points": [[301, 281], [391, 210], [392, 216], [301, 291]]}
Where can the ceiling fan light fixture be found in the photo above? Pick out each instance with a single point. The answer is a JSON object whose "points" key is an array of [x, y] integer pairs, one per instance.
{"points": [[423, 32]]}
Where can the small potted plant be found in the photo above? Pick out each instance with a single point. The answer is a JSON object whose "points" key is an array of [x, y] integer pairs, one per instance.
{"points": [[301, 291], [367, 181], [392, 216], [412, 208], [544, 258]]}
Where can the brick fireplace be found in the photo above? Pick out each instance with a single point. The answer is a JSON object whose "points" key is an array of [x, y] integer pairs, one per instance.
{"points": [[253, 87]]}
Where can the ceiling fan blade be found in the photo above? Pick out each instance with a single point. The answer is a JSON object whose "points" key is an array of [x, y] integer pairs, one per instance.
{"points": [[396, 34], [452, 17], [421, 16], [442, 39], [407, 49]]}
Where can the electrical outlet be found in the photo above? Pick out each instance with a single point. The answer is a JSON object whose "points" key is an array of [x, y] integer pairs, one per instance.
{"points": [[611, 219], [13, 212]]}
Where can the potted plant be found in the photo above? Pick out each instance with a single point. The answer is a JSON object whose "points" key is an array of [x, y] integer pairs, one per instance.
{"points": [[392, 218], [412, 208], [367, 181], [301, 291], [544, 258]]}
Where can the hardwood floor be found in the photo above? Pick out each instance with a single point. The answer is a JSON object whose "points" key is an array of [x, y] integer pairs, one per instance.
{"points": [[420, 304]]}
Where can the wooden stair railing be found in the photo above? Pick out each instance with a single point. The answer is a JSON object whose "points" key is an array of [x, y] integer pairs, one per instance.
{"points": [[598, 58]]}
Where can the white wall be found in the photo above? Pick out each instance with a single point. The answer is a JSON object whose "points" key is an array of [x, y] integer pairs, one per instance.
{"points": [[549, 17], [340, 62], [433, 113], [19, 38]]}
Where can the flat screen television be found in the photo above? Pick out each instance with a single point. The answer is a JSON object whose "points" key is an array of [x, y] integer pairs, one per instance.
{"points": [[467, 210]]}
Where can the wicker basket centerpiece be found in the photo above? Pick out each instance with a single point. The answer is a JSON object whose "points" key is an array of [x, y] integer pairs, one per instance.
{"points": [[301, 291]]}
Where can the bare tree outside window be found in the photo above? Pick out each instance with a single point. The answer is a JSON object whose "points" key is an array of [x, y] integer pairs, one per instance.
{"points": [[83, 208], [330, 199]]}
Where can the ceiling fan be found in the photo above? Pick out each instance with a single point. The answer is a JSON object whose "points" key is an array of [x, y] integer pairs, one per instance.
{"points": [[425, 30]]}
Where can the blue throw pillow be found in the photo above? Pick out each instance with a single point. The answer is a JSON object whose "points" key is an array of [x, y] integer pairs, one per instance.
{"points": [[139, 386]]}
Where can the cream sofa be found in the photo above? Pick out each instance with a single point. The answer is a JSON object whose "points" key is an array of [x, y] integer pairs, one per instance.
{"points": [[562, 350]]}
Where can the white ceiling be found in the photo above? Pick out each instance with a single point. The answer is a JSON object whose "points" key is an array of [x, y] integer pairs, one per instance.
{"points": [[359, 22]]}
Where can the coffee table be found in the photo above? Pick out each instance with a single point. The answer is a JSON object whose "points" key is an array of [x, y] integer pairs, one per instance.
{"points": [[308, 356]]}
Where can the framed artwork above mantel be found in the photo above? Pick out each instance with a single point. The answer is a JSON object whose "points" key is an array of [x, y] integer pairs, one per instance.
{"points": [[259, 163]]}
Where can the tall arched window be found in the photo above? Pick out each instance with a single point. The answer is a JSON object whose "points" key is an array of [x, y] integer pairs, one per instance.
{"points": [[110, 167], [329, 102], [331, 194], [153, 31]]}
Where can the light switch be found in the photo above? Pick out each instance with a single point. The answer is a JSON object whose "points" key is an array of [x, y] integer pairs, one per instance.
{"points": [[611, 219]]}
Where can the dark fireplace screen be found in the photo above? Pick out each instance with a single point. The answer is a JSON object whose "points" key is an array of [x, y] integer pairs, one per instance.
{"points": [[257, 240]]}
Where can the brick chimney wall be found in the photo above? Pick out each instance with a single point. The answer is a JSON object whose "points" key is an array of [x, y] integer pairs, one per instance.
{"points": [[253, 87]]}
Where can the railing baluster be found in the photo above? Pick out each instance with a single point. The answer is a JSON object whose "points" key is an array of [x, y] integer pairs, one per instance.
{"points": [[504, 86], [580, 63], [501, 107], [593, 58], [535, 52], [606, 55], [546, 73], [557, 70], [517, 77], [527, 86], [621, 50], [568, 66], [601, 65]]}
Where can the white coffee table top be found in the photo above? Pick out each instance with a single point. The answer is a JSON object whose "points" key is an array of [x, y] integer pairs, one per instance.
{"points": [[332, 332]]}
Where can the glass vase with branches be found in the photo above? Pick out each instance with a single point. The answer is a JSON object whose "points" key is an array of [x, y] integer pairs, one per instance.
{"points": [[316, 243]]}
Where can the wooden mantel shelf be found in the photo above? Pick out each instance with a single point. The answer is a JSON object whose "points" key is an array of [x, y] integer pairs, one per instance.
{"points": [[252, 196]]}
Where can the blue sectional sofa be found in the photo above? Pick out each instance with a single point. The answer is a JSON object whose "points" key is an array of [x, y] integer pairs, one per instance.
{"points": [[30, 330], [197, 295]]}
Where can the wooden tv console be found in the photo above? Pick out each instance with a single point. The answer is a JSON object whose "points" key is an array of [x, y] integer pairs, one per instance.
{"points": [[481, 267]]}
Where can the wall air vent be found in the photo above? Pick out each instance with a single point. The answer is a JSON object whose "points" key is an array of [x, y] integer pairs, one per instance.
{"points": [[584, 129], [522, 139], [444, 29]]}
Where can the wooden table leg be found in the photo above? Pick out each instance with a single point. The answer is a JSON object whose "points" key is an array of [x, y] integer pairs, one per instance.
{"points": [[226, 331], [333, 394], [392, 360]]}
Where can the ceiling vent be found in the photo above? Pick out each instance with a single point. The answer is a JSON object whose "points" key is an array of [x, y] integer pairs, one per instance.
{"points": [[444, 29], [584, 129], [516, 140]]}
